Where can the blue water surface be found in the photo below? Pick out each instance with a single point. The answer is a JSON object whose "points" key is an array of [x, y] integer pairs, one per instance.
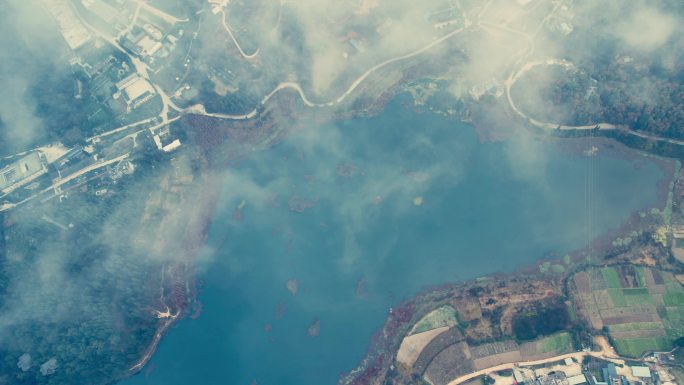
{"points": [[369, 242]]}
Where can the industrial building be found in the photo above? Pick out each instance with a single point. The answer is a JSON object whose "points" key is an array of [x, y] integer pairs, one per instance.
{"points": [[135, 90], [641, 371], [22, 171], [579, 379], [147, 41]]}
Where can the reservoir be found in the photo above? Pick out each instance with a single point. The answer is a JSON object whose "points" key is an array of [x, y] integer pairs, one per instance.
{"points": [[316, 238]]}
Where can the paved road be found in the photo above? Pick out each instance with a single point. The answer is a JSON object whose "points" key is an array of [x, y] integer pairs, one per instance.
{"points": [[61, 182], [123, 128], [555, 126], [232, 37], [578, 356]]}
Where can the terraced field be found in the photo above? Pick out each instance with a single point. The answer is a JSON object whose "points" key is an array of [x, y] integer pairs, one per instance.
{"points": [[447, 357], [435, 347], [450, 363], [642, 308]]}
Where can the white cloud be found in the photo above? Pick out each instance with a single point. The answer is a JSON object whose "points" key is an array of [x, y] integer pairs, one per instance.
{"points": [[647, 28]]}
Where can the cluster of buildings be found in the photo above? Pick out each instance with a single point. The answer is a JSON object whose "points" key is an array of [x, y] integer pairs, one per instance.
{"points": [[106, 74], [601, 373], [109, 85], [165, 141], [592, 372], [137, 30], [112, 82], [121, 169], [34, 172], [148, 42], [71, 160]]}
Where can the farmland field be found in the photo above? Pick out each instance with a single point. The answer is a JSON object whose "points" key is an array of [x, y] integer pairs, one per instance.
{"points": [[642, 307], [640, 276], [674, 296], [452, 362], [638, 346], [552, 345], [611, 277], [560, 343], [444, 316], [637, 296], [618, 297], [636, 326]]}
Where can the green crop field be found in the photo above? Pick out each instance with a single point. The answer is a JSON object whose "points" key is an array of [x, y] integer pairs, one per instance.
{"points": [[444, 316], [642, 318], [559, 343], [611, 277], [617, 297], [640, 276], [636, 326], [674, 295], [674, 322], [639, 296], [636, 347], [675, 314]]}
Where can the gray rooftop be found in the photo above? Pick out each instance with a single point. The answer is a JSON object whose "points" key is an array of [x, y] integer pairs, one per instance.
{"points": [[21, 169]]}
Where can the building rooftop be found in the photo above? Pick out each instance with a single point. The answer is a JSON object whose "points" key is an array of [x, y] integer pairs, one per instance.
{"points": [[135, 87], [31, 165], [577, 380], [641, 371], [172, 146], [138, 88], [149, 46]]}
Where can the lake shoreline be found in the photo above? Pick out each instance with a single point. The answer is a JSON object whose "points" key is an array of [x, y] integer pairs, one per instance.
{"points": [[269, 135]]}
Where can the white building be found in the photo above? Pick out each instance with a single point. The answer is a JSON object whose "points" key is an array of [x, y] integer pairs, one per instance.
{"points": [[577, 380], [641, 371], [135, 90]]}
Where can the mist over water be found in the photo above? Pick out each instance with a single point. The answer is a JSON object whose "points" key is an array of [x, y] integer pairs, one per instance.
{"points": [[398, 202]]}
